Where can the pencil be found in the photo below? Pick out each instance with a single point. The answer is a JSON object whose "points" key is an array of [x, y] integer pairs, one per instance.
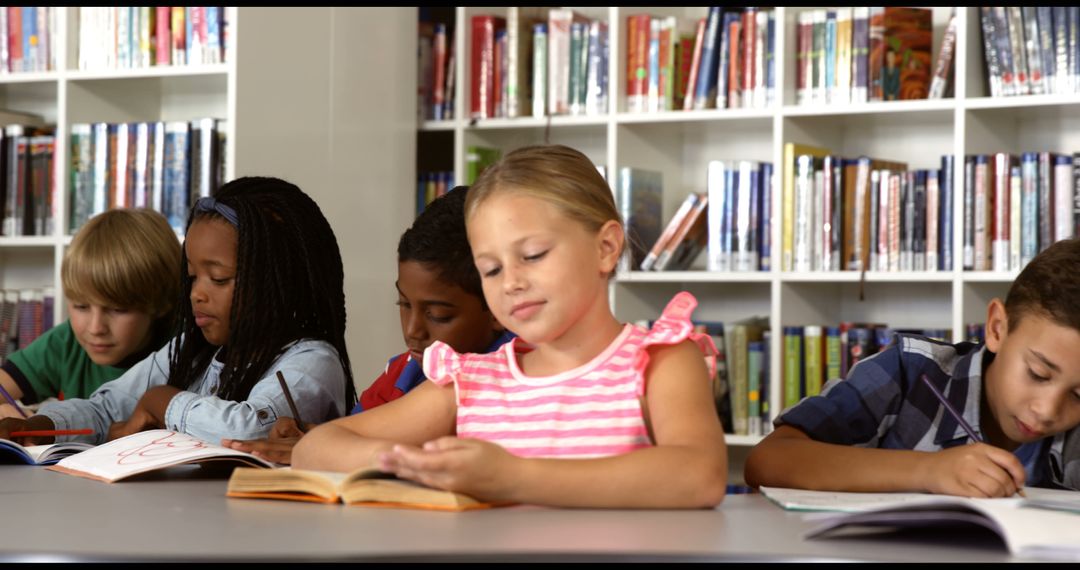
{"points": [[12, 402], [958, 417], [48, 432], [292, 404]]}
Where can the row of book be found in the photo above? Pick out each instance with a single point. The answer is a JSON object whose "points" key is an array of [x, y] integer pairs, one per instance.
{"points": [[159, 165], [864, 213], [860, 54], [741, 385], [130, 37], [539, 63], [813, 355], [25, 314], [729, 220], [431, 185], [435, 79], [28, 38], [728, 62], [1031, 49], [27, 181], [1016, 206]]}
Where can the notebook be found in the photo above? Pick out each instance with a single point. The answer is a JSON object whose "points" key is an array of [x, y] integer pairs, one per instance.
{"points": [[1043, 526], [13, 453], [148, 451]]}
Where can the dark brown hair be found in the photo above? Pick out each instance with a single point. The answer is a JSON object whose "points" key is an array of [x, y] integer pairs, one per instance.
{"points": [[1049, 285]]}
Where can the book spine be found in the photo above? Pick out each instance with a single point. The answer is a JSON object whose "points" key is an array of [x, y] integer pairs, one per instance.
{"points": [[705, 94], [943, 69]]}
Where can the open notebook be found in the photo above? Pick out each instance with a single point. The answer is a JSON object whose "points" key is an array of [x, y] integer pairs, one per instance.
{"points": [[1043, 526], [11, 452], [364, 487], [148, 451]]}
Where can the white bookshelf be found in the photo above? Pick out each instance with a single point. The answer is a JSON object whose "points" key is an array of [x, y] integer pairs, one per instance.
{"points": [[299, 105], [680, 144]]}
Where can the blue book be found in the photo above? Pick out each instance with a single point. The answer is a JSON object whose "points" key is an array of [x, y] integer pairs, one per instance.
{"points": [[766, 194], [640, 201], [705, 89]]}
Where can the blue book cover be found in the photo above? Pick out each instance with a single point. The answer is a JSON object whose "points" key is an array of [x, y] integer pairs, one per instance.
{"points": [[765, 238], [1029, 208], [640, 201], [705, 89]]}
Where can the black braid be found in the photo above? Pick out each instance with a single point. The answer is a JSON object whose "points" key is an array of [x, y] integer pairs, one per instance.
{"points": [[289, 286]]}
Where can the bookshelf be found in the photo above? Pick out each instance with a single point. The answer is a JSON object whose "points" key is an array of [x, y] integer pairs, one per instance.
{"points": [[298, 104], [680, 144]]}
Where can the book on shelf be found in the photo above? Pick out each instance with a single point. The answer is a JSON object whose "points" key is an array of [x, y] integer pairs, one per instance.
{"points": [[942, 83], [670, 230], [363, 487], [149, 451], [13, 453], [688, 240], [640, 201], [1042, 526], [477, 159]]}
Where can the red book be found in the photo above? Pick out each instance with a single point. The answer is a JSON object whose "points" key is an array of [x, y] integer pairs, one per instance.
{"points": [[482, 60], [163, 35], [637, 62], [695, 63]]}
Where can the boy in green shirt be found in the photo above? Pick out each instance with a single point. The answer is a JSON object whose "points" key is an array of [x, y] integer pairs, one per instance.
{"points": [[121, 278]]}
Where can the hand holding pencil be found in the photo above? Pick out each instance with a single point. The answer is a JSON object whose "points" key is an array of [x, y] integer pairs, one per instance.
{"points": [[35, 430], [975, 470]]}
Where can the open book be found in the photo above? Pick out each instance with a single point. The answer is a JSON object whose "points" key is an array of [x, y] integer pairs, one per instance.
{"points": [[11, 452], [1030, 527], [365, 487], [148, 451]]}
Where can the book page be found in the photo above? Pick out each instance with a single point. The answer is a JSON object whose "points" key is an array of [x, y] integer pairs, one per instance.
{"points": [[804, 500], [147, 451]]}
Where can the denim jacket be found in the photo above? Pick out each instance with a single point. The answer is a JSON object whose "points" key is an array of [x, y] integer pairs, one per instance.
{"points": [[310, 367]]}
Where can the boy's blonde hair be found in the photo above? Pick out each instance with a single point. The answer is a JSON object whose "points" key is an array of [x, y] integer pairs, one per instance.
{"points": [[556, 174], [126, 258]]}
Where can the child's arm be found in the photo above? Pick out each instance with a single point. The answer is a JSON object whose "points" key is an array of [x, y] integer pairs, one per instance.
{"points": [[789, 458], [425, 413], [315, 378], [687, 467], [114, 401]]}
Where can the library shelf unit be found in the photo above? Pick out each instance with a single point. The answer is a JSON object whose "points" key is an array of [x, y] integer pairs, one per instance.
{"points": [[67, 96], [680, 144]]}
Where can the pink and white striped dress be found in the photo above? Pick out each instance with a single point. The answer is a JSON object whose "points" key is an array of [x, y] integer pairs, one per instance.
{"points": [[593, 410]]}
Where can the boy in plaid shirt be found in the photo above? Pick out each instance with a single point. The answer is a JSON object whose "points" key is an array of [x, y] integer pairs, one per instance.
{"points": [[883, 429]]}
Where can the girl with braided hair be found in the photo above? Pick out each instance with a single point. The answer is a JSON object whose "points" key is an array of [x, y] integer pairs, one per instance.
{"points": [[262, 294]]}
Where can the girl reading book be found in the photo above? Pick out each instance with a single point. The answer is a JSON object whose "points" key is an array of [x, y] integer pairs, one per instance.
{"points": [[580, 410], [263, 292]]}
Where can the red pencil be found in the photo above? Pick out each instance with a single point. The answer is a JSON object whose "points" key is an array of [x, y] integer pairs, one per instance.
{"points": [[48, 432]]}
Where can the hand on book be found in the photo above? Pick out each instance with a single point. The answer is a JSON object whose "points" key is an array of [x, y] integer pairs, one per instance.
{"points": [[471, 466], [975, 470], [278, 446], [149, 413], [9, 425], [140, 420]]}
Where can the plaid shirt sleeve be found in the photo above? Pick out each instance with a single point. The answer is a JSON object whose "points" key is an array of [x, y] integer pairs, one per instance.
{"points": [[855, 411]]}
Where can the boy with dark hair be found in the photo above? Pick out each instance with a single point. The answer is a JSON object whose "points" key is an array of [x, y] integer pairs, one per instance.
{"points": [[439, 298], [1020, 392]]}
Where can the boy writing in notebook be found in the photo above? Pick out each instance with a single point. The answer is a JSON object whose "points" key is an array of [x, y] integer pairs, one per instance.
{"points": [[884, 430], [439, 299]]}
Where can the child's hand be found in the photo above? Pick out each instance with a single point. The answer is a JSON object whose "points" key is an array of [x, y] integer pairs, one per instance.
{"points": [[976, 470], [9, 425], [140, 420], [278, 447], [478, 468]]}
